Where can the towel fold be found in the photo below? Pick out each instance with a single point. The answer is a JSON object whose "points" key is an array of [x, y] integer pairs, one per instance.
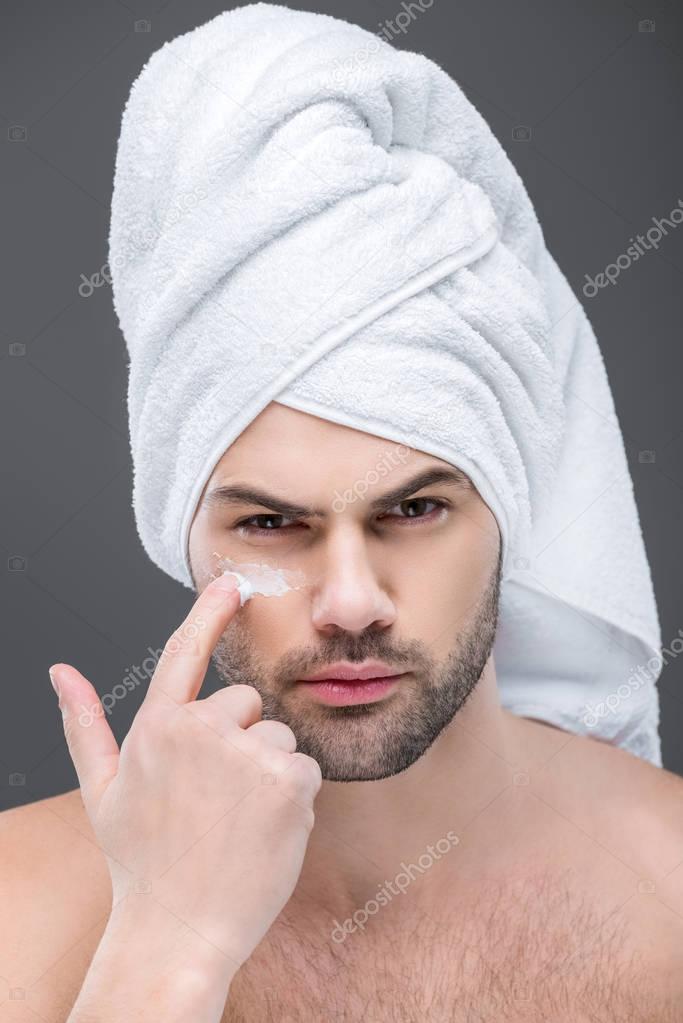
{"points": [[296, 221]]}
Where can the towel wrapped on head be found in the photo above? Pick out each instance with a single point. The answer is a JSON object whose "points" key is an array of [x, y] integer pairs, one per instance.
{"points": [[304, 214]]}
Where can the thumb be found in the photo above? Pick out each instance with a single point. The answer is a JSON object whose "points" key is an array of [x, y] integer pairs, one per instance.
{"points": [[91, 742]]}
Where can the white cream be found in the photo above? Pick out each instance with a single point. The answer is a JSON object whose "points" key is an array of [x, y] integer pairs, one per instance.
{"points": [[254, 577]]}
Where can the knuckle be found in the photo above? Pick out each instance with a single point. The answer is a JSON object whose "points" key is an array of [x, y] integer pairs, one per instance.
{"points": [[294, 808], [307, 817], [312, 769], [288, 806], [246, 694], [190, 724], [303, 777], [268, 760], [165, 727], [287, 733], [199, 721], [278, 731]]}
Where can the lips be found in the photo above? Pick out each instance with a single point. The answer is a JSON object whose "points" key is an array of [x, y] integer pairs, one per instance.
{"points": [[344, 671], [344, 693]]}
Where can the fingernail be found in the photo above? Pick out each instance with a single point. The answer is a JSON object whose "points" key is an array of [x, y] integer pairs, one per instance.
{"points": [[226, 582], [55, 683]]}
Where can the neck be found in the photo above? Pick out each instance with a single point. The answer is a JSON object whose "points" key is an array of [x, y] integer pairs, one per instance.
{"points": [[364, 830]]}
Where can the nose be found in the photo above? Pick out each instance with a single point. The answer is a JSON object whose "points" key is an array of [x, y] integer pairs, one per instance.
{"points": [[348, 595]]}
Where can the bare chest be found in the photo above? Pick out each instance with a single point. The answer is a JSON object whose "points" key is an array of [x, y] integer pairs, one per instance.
{"points": [[522, 961]]}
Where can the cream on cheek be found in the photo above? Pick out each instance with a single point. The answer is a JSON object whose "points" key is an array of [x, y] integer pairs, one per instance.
{"points": [[258, 577]]}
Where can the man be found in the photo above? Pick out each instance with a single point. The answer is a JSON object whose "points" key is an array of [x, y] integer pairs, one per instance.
{"points": [[354, 362], [491, 866]]}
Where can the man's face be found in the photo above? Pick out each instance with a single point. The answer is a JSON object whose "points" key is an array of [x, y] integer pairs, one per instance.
{"points": [[410, 579]]}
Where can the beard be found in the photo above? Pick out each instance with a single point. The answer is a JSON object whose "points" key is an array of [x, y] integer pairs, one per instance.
{"points": [[370, 741]]}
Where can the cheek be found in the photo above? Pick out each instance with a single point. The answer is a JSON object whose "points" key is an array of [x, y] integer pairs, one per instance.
{"points": [[200, 550], [206, 547], [273, 624], [441, 591]]}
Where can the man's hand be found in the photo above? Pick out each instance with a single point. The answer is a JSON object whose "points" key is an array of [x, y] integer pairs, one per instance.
{"points": [[206, 809]]}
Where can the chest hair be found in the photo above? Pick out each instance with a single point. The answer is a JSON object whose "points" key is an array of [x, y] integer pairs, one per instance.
{"points": [[527, 953]]}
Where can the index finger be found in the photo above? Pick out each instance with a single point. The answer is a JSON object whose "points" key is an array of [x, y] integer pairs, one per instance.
{"points": [[181, 669]]}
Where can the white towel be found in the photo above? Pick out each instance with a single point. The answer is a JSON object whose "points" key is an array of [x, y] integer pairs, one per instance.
{"points": [[303, 213]]}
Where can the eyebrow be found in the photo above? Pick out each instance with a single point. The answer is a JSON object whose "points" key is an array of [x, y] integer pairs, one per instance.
{"points": [[242, 493]]}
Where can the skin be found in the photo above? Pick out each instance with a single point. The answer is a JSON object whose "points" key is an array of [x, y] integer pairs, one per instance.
{"points": [[430, 611], [416, 586], [414, 593], [390, 586]]}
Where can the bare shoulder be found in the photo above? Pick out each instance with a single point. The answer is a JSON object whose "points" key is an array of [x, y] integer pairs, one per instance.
{"points": [[55, 892], [618, 811], [641, 806], [635, 810], [643, 801], [604, 785], [617, 820]]}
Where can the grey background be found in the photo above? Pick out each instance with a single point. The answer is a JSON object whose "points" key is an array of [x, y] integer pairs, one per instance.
{"points": [[603, 102]]}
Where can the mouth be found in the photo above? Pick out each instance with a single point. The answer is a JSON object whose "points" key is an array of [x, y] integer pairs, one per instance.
{"points": [[344, 684]]}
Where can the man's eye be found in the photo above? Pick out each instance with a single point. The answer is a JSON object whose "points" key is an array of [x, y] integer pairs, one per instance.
{"points": [[266, 521], [272, 522], [415, 507]]}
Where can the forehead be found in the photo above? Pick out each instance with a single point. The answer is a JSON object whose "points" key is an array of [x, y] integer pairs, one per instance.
{"points": [[281, 441]]}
